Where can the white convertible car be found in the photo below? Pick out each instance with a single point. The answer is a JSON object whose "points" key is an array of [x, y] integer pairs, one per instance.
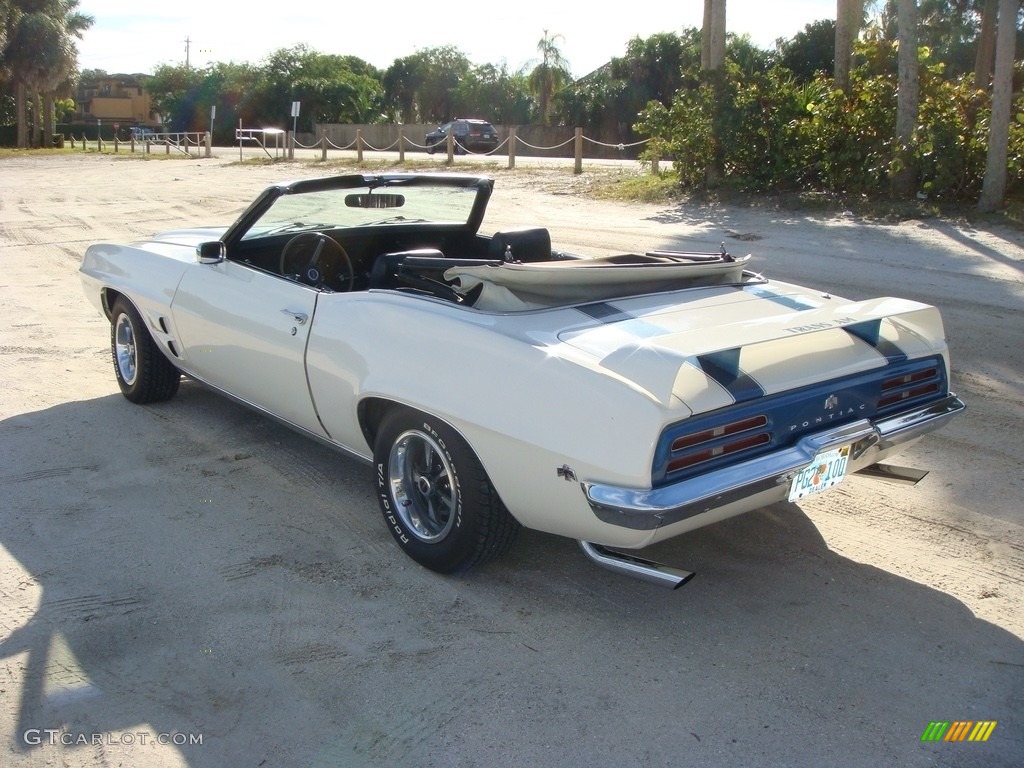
{"points": [[496, 383]]}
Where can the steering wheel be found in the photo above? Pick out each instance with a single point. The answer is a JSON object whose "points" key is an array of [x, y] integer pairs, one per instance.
{"points": [[321, 265]]}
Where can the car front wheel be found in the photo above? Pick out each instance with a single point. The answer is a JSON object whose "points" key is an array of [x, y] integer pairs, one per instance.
{"points": [[143, 373], [436, 497]]}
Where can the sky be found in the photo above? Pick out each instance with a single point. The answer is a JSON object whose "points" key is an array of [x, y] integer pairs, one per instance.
{"points": [[130, 37]]}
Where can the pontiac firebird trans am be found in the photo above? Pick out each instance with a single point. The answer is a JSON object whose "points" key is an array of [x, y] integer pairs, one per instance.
{"points": [[496, 383]]}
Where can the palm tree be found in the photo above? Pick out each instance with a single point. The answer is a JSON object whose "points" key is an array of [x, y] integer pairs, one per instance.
{"points": [[849, 19], [904, 180], [64, 69], [550, 75], [712, 36], [986, 45], [712, 62], [993, 189], [40, 54]]}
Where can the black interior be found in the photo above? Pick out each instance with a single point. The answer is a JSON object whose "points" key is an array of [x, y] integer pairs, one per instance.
{"points": [[401, 258]]}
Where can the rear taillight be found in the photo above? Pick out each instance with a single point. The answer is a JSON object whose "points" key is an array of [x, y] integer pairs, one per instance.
{"points": [[727, 439], [898, 389]]}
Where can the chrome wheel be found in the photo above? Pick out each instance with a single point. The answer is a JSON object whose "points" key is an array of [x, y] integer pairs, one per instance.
{"points": [[124, 349], [434, 494], [144, 374], [422, 485]]}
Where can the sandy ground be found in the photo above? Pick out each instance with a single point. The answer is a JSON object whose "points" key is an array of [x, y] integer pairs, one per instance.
{"points": [[191, 584]]}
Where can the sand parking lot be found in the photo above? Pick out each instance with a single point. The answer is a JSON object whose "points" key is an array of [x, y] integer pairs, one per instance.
{"points": [[190, 584]]}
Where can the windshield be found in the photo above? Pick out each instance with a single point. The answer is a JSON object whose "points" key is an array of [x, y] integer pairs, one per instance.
{"points": [[365, 206]]}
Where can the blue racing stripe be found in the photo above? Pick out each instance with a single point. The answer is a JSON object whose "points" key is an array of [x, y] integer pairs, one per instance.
{"points": [[634, 326], [604, 313], [790, 302], [740, 385], [870, 333]]}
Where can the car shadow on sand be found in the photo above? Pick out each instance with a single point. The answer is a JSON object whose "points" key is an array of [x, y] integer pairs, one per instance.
{"points": [[195, 572]]}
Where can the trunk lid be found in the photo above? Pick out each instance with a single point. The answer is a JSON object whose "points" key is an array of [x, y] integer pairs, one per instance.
{"points": [[704, 349]]}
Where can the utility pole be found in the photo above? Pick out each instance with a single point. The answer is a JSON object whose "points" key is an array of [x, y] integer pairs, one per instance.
{"points": [[188, 41]]}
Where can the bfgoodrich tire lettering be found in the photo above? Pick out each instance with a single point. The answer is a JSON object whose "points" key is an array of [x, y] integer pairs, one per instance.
{"points": [[143, 373], [435, 496]]}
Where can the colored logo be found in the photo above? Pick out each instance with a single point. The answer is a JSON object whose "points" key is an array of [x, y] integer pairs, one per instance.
{"points": [[958, 730]]}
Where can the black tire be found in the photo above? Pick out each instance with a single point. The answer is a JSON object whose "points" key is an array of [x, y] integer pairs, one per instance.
{"points": [[435, 496], [143, 373]]}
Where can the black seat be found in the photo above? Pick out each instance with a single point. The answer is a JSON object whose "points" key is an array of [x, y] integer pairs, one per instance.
{"points": [[422, 270], [384, 271], [526, 244]]}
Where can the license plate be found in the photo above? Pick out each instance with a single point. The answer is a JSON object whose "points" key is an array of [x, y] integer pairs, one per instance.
{"points": [[826, 471]]}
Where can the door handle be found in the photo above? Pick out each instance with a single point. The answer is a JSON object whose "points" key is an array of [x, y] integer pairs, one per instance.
{"points": [[298, 317]]}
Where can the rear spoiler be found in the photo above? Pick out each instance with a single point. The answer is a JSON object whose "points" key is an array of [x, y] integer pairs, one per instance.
{"points": [[876, 321], [661, 361]]}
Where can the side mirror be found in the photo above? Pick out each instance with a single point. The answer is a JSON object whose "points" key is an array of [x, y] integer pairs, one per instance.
{"points": [[213, 252]]}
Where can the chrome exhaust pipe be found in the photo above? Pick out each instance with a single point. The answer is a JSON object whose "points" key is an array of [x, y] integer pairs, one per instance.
{"points": [[637, 567], [893, 473]]}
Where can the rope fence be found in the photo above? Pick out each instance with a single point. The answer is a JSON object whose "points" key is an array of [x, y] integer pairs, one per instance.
{"points": [[182, 142], [280, 144], [453, 147]]}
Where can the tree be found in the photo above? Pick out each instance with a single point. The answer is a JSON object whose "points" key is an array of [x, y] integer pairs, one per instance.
{"points": [[401, 81], [712, 62], [810, 51], [424, 86], [653, 66], [986, 55], [174, 92], [849, 19], [550, 75], [994, 186], [40, 54], [494, 93], [713, 35], [904, 178]]}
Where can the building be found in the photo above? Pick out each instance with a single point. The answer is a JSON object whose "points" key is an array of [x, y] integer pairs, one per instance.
{"points": [[115, 98]]}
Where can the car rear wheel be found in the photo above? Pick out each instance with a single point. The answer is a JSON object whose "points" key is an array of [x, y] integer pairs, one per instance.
{"points": [[143, 373], [436, 497]]}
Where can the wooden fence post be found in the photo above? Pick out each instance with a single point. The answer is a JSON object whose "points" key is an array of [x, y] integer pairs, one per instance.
{"points": [[579, 151], [401, 143], [512, 147]]}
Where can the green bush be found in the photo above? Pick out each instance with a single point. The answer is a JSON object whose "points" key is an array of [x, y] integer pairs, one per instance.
{"points": [[767, 132]]}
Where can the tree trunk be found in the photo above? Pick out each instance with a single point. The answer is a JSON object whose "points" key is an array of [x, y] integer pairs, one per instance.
{"points": [[849, 17], [35, 123], [716, 43], [21, 110], [48, 119], [904, 178], [986, 46], [713, 64], [993, 188], [705, 35]]}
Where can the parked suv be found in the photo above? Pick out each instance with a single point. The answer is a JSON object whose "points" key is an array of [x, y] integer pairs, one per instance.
{"points": [[470, 134]]}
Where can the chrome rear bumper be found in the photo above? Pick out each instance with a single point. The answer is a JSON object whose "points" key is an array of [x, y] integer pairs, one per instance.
{"points": [[767, 477]]}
